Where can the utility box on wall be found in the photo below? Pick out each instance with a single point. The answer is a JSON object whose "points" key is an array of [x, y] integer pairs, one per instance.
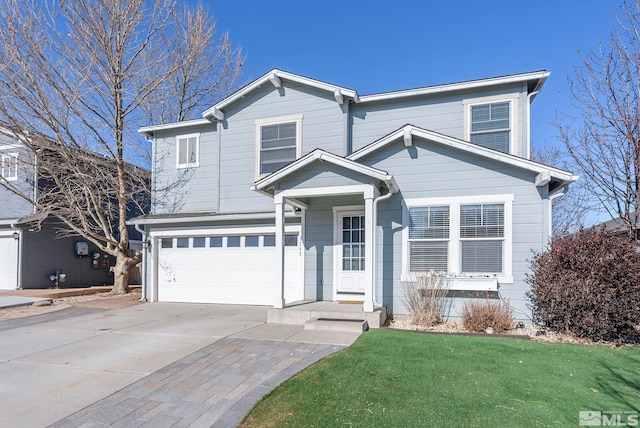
{"points": [[82, 249]]}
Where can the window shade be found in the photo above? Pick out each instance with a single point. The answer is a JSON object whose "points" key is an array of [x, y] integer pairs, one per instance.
{"points": [[429, 223]]}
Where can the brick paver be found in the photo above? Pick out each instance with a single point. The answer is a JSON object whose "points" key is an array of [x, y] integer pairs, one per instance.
{"points": [[213, 387]]}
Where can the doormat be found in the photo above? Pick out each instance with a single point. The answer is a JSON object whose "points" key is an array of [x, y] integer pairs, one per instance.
{"points": [[351, 302]]}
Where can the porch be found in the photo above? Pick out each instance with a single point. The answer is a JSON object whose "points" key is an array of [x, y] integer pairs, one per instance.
{"points": [[331, 315]]}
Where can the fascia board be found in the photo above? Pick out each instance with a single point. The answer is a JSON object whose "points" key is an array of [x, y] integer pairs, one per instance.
{"points": [[321, 156], [471, 84], [207, 218], [150, 130], [464, 146]]}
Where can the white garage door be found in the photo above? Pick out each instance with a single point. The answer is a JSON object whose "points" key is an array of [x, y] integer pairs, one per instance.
{"points": [[8, 262], [229, 268]]}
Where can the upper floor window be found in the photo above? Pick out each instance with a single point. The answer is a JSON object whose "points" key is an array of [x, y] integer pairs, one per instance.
{"points": [[490, 122], [9, 166], [278, 143], [187, 150]]}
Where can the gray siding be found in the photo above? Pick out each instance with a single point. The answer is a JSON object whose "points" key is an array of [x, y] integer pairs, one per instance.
{"points": [[14, 206], [188, 189], [428, 170], [323, 174], [322, 127], [372, 121], [43, 255], [318, 243]]}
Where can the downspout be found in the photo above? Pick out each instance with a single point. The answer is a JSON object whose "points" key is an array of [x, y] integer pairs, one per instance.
{"points": [[531, 95], [145, 249], [19, 275], [375, 233], [563, 192]]}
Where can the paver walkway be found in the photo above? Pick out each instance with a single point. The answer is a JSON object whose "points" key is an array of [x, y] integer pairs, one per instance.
{"points": [[215, 386]]}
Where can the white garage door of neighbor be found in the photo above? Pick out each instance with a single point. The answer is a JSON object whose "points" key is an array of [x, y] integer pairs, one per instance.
{"points": [[8, 262], [234, 269]]}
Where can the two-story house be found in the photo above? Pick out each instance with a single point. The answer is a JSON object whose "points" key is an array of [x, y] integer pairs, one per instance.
{"points": [[295, 189], [32, 255]]}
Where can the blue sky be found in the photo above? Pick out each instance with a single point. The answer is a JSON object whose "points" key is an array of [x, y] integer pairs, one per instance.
{"points": [[377, 46]]}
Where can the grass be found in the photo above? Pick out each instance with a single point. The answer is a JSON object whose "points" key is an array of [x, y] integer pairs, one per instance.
{"points": [[392, 378]]}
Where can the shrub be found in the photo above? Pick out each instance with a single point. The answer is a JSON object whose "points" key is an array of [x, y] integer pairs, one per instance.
{"points": [[479, 316], [426, 299], [588, 284]]}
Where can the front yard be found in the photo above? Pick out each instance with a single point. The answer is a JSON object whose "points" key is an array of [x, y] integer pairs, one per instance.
{"points": [[394, 378]]}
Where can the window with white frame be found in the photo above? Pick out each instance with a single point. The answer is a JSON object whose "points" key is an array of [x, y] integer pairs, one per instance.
{"points": [[9, 166], [428, 239], [492, 122], [278, 143], [491, 125], [482, 237], [187, 150], [464, 236]]}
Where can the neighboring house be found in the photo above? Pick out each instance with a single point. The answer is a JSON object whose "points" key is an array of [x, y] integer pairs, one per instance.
{"points": [[30, 252], [620, 225], [295, 189]]}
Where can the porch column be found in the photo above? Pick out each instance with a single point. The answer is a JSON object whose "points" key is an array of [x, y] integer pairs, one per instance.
{"points": [[369, 262], [279, 292]]}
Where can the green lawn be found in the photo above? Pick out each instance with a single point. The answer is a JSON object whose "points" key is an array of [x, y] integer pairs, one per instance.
{"points": [[402, 379]]}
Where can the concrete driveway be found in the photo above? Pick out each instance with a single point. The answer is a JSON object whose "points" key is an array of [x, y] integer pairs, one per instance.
{"points": [[55, 365]]}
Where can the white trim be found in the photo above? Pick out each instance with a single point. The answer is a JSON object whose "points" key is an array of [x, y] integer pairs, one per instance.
{"points": [[259, 123], [321, 155], [151, 129], [220, 231], [208, 218], [454, 261], [512, 99], [461, 86], [337, 254], [466, 146], [10, 147], [276, 75], [195, 164], [14, 169], [367, 190]]}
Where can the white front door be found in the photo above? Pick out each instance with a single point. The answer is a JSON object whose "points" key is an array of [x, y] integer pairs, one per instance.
{"points": [[350, 247]]}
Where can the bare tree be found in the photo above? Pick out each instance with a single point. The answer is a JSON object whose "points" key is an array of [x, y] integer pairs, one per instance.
{"points": [[570, 208], [603, 138], [79, 77]]}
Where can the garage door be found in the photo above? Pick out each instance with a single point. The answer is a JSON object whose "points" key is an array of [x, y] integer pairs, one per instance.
{"points": [[229, 268], [8, 262]]}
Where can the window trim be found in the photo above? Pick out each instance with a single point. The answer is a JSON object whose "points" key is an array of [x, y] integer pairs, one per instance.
{"points": [[14, 157], [455, 242], [512, 99], [277, 120], [188, 164]]}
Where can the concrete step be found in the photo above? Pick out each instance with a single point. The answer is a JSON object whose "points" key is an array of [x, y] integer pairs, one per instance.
{"points": [[300, 314], [337, 324]]}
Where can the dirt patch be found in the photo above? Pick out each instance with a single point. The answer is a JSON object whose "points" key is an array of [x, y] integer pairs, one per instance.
{"points": [[97, 301]]}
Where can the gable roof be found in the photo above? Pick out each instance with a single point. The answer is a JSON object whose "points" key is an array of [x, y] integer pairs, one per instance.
{"points": [[545, 174], [320, 155], [534, 81], [275, 77]]}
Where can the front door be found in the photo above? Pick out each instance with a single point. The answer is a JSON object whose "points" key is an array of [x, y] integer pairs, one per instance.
{"points": [[350, 246]]}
